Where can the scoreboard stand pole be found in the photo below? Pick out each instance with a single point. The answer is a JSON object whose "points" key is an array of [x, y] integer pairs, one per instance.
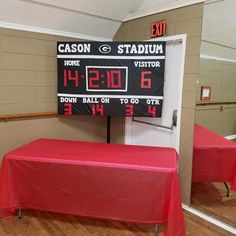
{"points": [[108, 129]]}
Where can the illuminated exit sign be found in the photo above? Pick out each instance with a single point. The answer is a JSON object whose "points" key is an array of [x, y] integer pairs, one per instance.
{"points": [[158, 29]]}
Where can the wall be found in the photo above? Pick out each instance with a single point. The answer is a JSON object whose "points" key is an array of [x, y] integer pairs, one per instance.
{"points": [[179, 21], [15, 133], [218, 29], [28, 83], [28, 79], [220, 75], [218, 118], [218, 67]]}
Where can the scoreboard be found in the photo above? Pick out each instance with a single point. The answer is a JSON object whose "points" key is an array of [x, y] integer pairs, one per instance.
{"points": [[111, 78]]}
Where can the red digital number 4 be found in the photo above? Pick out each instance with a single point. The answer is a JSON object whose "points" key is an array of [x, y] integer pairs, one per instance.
{"points": [[152, 110]]}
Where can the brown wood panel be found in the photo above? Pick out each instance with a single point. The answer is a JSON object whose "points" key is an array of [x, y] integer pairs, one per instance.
{"points": [[211, 199], [49, 224]]}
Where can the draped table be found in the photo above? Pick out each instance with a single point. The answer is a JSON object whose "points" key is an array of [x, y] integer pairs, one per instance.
{"points": [[130, 183], [214, 158]]}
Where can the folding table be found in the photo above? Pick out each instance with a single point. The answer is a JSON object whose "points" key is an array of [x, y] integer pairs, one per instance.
{"points": [[130, 183]]}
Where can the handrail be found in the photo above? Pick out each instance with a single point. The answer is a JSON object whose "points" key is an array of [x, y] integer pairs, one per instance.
{"points": [[173, 123], [28, 115], [211, 103]]}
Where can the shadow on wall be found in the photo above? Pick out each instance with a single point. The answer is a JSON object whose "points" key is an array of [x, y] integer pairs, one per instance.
{"points": [[20, 132]]}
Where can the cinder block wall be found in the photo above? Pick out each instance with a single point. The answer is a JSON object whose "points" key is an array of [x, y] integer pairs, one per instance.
{"points": [[28, 79], [186, 20], [28, 84], [220, 76]]}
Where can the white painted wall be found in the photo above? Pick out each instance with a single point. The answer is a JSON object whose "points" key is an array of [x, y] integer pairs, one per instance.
{"points": [[86, 19], [219, 29], [149, 7], [56, 19], [114, 10]]}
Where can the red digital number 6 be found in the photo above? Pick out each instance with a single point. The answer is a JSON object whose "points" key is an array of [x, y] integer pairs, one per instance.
{"points": [[146, 82]]}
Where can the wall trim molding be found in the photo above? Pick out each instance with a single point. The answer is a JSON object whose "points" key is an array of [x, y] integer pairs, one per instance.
{"points": [[216, 58], [218, 44], [156, 10], [210, 219], [230, 137], [51, 31]]}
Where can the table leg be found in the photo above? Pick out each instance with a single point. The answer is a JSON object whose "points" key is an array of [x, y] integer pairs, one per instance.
{"points": [[156, 230], [227, 187], [19, 213]]}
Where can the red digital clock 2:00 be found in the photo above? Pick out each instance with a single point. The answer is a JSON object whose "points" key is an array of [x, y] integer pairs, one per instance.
{"points": [[107, 78]]}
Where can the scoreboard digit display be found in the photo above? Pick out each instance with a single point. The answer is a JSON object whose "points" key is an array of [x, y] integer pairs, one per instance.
{"points": [[111, 78]]}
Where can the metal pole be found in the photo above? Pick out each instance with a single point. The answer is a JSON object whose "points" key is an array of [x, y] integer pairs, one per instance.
{"points": [[108, 129], [156, 230], [19, 213], [227, 187]]}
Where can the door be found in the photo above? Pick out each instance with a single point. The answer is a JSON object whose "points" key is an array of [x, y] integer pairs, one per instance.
{"points": [[163, 131]]}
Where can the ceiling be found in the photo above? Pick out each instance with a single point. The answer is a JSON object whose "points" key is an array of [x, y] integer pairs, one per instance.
{"points": [[100, 19], [88, 19]]}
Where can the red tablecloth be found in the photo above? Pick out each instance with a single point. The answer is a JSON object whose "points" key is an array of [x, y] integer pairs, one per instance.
{"points": [[214, 158], [123, 182]]}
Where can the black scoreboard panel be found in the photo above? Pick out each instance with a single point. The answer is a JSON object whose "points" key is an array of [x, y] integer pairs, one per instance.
{"points": [[111, 78]]}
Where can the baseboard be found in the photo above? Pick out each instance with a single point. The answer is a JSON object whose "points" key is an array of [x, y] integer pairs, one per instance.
{"points": [[210, 219]]}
